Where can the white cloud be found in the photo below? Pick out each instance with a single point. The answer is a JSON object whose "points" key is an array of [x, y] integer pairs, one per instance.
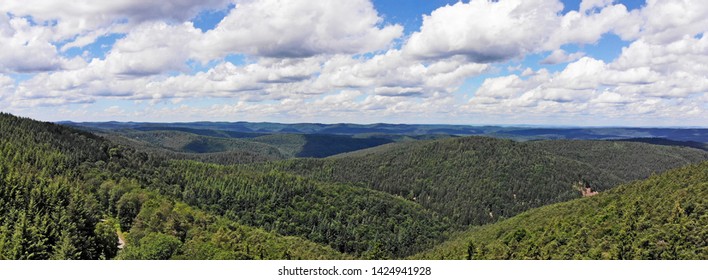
{"points": [[26, 48], [493, 31], [588, 28], [80, 17], [485, 31], [393, 73], [398, 91], [152, 48], [657, 82], [528, 72], [667, 21], [298, 28], [303, 62], [688, 54], [228, 80], [7, 87], [560, 56], [587, 5]]}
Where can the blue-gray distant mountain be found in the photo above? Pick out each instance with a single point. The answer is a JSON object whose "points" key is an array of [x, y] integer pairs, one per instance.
{"points": [[252, 129]]}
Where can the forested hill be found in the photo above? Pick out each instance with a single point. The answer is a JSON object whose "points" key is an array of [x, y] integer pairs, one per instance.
{"points": [[479, 180], [66, 194], [663, 217], [626, 160], [69, 194], [227, 147], [253, 129]]}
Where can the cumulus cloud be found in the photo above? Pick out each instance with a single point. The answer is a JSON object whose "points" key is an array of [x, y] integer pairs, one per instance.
{"points": [[7, 86], [261, 79], [493, 31], [667, 21], [79, 17], [396, 74], [152, 48], [26, 48], [299, 28], [485, 31], [588, 27], [560, 56], [651, 80], [320, 59]]}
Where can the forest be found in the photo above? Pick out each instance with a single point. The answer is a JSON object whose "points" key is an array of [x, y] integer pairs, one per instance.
{"points": [[208, 193], [663, 217]]}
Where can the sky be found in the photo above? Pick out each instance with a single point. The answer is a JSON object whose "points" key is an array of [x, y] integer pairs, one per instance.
{"points": [[477, 62]]}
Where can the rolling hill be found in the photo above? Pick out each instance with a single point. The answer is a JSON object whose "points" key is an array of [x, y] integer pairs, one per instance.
{"points": [[249, 129], [180, 142], [58, 200], [479, 180], [70, 194], [663, 217], [627, 160], [50, 167]]}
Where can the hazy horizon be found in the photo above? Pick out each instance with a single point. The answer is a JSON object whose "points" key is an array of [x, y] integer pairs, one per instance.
{"points": [[385, 123]]}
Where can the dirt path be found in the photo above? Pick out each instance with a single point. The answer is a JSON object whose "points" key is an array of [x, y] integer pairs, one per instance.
{"points": [[121, 240]]}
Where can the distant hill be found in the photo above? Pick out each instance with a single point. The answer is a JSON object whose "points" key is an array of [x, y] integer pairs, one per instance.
{"points": [[236, 156], [247, 130], [663, 217], [625, 160], [479, 180], [318, 145], [213, 145], [667, 142]]}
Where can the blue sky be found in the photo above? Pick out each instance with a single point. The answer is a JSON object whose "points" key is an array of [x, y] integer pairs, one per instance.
{"points": [[540, 62]]}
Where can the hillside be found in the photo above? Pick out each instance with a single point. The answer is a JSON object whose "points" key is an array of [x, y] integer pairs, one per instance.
{"points": [[663, 217], [69, 194], [357, 221], [117, 182], [668, 142], [58, 200], [623, 159], [479, 180]]}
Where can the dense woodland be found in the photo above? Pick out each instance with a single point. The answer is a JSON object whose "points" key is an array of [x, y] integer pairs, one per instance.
{"points": [[70, 194], [478, 180], [663, 217], [66, 194]]}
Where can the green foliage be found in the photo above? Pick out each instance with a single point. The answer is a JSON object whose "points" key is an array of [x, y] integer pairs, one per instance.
{"points": [[154, 246], [224, 148], [67, 194], [625, 160], [165, 229], [351, 220], [663, 217], [319, 145], [106, 240], [186, 146], [58, 186], [479, 180]]}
